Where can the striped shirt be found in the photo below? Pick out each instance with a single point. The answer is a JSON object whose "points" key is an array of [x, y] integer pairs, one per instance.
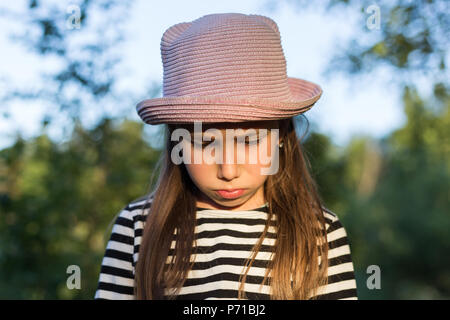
{"points": [[224, 240]]}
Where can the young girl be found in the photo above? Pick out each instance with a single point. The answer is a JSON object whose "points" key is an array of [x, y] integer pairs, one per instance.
{"points": [[221, 227]]}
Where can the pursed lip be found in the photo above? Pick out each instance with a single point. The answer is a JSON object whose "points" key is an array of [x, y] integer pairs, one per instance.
{"points": [[230, 193]]}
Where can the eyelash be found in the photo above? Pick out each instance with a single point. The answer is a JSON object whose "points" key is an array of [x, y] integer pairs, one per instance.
{"points": [[249, 143]]}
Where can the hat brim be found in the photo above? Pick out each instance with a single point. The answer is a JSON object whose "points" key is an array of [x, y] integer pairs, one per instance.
{"points": [[188, 109]]}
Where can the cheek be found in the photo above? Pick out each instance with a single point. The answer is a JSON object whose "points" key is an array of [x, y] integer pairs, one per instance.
{"points": [[253, 171], [262, 152], [200, 173]]}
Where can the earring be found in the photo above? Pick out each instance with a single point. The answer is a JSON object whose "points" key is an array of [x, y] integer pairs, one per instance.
{"points": [[281, 144]]}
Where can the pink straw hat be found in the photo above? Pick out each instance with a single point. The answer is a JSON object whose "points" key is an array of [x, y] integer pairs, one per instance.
{"points": [[226, 68]]}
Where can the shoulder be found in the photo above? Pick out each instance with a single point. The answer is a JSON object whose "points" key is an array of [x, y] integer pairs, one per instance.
{"points": [[335, 229], [330, 217], [341, 277], [133, 215], [136, 208], [336, 233], [140, 203], [129, 223], [121, 254]]}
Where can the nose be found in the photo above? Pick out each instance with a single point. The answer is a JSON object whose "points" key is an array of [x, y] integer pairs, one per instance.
{"points": [[229, 169]]}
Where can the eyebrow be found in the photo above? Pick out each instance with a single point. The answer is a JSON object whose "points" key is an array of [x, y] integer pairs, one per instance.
{"points": [[245, 134]]}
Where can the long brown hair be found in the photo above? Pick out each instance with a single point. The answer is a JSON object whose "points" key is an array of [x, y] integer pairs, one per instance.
{"points": [[297, 268]]}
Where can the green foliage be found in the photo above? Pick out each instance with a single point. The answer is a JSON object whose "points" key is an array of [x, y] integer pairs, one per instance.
{"points": [[413, 36], [57, 202], [392, 195], [84, 60], [393, 198]]}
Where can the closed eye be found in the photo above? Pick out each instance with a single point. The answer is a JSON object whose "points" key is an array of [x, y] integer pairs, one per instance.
{"points": [[247, 141]]}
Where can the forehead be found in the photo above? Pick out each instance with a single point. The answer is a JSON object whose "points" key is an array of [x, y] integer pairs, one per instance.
{"points": [[269, 124]]}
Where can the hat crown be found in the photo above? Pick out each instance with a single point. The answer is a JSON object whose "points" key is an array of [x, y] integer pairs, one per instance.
{"points": [[229, 54]]}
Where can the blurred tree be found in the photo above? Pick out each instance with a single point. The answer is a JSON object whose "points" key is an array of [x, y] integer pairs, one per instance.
{"points": [[413, 37], [57, 201], [393, 194], [81, 44]]}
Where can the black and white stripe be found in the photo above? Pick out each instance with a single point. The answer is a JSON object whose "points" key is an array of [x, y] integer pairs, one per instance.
{"points": [[224, 240]]}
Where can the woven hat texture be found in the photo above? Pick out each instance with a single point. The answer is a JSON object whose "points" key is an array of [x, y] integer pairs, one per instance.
{"points": [[227, 67]]}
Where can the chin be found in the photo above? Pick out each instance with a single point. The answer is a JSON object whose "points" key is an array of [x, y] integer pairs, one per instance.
{"points": [[231, 203], [228, 203]]}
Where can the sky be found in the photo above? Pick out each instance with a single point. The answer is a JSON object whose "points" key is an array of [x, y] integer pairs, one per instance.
{"points": [[310, 37]]}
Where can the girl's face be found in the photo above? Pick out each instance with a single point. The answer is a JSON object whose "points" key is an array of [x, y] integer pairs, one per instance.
{"points": [[215, 178]]}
